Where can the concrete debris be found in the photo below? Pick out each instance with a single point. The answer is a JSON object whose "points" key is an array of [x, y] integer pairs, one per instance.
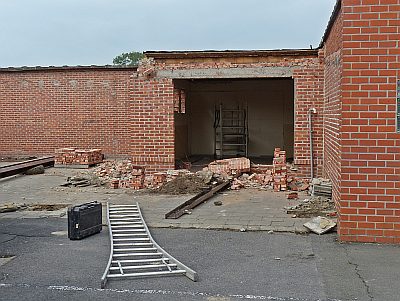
{"points": [[321, 187], [72, 156], [77, 182], [320, 225], [313, 207], [205, 175], [218, 203], [37, 170]]}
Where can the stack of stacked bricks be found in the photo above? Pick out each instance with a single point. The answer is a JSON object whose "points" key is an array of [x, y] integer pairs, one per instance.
{"points": [[137, 178], [72, 156], [279, 170]]}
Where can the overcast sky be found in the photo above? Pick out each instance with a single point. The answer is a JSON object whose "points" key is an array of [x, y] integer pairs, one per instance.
{"points": [[86, 32]]}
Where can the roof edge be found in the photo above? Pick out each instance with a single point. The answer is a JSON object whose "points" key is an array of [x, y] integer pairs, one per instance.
{"points": [[229, 53], [67, 68], [331, 21]]}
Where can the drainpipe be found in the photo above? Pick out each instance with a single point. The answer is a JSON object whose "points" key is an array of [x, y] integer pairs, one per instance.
{"points": [[310, 113]]}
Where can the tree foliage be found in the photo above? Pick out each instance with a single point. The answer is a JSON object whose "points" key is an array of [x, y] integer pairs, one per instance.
{"points": [[128, 59]]}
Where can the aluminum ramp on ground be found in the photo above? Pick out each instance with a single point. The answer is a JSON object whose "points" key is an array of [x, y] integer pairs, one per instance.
{"points": [[134, 253]]}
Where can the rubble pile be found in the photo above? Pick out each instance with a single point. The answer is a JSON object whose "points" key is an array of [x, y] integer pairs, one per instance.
{"points": [[257, 175], [261, 168], [72, 156], [255, 180], [121, 174], [240, 171], [183, 184], [158, 179], [313, 207]]}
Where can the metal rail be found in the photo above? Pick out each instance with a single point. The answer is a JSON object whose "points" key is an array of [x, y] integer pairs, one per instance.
{"points": [[19, 167], [133, 251], [195, 201]]}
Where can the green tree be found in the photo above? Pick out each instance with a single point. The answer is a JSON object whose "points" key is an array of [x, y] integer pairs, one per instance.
{"points": [[128, 59]]}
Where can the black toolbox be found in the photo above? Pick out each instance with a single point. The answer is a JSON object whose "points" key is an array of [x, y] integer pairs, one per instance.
{"points": [[84, 220]]}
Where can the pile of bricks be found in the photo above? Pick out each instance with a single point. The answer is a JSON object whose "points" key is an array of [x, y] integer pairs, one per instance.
{"points": [[72, 156], [230, 166], [261, 168], [279, 170], [121, 174]]}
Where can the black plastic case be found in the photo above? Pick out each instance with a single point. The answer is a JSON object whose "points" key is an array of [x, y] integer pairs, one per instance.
{"points": [[84, 220]]}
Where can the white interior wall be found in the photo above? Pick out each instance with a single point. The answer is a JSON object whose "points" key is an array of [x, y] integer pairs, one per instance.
{"points": [[270, 112]]}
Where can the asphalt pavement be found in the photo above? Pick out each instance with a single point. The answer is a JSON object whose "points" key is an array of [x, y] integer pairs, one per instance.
{"points": [[231, 266]]}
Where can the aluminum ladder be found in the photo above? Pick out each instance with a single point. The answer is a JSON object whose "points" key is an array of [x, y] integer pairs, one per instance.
{"points": [[134, 253]]}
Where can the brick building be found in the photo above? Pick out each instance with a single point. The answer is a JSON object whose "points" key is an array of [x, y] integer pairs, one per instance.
{"points": [[166, 109], [361, 138]]}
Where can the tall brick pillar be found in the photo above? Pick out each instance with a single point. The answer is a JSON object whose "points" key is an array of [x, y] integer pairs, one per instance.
{"points": [[152, 121]]}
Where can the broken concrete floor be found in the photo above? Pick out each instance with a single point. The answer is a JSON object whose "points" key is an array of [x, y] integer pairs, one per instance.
{"points": [[247, 209]]}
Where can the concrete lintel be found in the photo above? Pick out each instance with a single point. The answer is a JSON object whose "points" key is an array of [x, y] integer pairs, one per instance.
{"points": [[256, 72]]}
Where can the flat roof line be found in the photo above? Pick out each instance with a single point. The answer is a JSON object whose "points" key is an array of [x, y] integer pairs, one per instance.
{"points": [[230, 53], [67, 68]]}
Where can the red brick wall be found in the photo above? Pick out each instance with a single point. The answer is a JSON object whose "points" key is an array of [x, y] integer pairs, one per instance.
{"points": [[49, 109], [152, 129], [308, 76], [332, 108], [309, 87], [370, 165]]}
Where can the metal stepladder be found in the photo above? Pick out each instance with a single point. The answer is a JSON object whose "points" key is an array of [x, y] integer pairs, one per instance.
{"points": [[134, 253], [230, 131]]}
